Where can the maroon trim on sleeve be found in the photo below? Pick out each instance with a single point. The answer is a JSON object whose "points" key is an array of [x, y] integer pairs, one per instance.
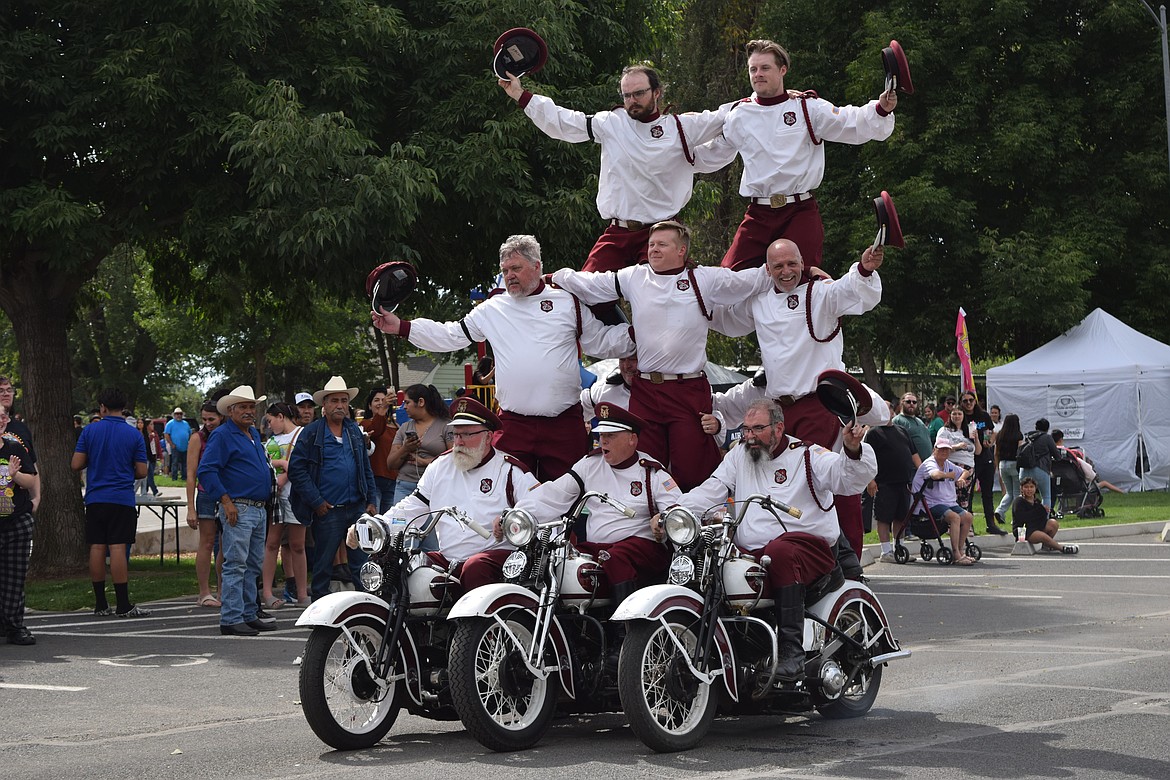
{"points": [[849, 454], [861, 269], [404, 328], [881, 111], [632, 337], [524, 99]]}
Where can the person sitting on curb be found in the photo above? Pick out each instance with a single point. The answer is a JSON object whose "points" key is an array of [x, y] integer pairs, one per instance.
{"points": [[1032, 516]]}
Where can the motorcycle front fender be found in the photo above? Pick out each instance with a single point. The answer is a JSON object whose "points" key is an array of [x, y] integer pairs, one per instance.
{"points": [[337, 609], [490, 600], [656, 601]]}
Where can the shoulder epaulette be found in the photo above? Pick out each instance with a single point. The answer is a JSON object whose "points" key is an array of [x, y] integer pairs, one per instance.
{"points": [[515, 462], [798, 444], [495, 292], [809, 94], [650, 464]]}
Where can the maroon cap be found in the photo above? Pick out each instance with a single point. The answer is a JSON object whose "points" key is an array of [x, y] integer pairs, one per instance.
{"points": [[390, 283], [843, 395], [887, 217], [894, 61], [468, 411], [519, 51], [612, 418]]}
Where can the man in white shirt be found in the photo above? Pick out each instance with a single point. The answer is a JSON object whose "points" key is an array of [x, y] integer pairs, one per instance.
{"points": [[780, 139], [534, 330]]}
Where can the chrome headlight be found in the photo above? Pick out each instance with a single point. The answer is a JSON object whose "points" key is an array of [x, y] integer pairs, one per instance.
{"points": [[372, 534], [681, 525], [371, 577], [519, 526], [682, 570]]}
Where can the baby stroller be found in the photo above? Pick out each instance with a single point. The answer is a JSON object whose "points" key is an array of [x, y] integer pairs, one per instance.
{"points": [[922, 524], [1071, 491]]}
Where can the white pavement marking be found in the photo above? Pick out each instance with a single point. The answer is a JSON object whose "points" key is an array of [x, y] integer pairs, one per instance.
{"points": [[162, 635], [977, 594], [23, 687]]}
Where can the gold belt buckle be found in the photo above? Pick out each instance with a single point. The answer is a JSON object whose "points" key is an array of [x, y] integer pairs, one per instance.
{"points": [[778, 201], [656, 378]]}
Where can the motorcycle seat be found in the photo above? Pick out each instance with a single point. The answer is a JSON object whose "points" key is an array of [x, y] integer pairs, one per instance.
{"points": [[816, 590]]}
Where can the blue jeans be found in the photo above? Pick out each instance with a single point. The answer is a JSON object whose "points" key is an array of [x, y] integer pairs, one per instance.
{"points": [[402, 489], [328, 534], [243, 555], [1009, 478], [1043, 484], [179, 465], [386, 488]]}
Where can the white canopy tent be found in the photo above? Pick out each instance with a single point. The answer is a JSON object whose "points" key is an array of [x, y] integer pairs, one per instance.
{"points": [[1107, 386]]}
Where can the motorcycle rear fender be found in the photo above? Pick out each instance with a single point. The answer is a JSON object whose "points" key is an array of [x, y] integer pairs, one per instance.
{"points": [[490, 600], [339, 608], [858, 594], [654, 602]]}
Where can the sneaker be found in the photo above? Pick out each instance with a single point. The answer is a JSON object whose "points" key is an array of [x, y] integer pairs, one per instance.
{"points": [[262, 617], [995, 529], [1070, 549], [103, 612], [21, 636], [134, 612], [998, 518], [888, 557]]}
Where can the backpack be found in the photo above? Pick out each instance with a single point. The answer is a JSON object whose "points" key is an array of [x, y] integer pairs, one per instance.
{"points": [[1026, 457]]}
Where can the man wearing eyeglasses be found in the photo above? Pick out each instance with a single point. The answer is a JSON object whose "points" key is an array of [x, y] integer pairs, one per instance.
{"points": [[478, 479], [647, 164], [909, 421], [18, 432]]}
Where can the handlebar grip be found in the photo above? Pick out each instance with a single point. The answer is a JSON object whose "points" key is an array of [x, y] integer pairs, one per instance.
{"points": [[479, 529]]}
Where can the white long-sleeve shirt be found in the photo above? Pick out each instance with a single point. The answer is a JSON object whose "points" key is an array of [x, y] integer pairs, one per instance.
{"points": [[783, 478], [645, 175], [627, 486], [668, 323], [779, 156], [534, 340], [792, 358], [481, 492]]}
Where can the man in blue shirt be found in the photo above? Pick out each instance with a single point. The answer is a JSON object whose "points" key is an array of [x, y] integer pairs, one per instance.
{"points": [[177, 433], [331, 478], [115, 454], [234, 470]]}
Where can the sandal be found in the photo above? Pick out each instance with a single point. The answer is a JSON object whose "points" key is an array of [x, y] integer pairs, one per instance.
{"points": [[306, 601], [964, 561], [209, 601], [273, 603]]}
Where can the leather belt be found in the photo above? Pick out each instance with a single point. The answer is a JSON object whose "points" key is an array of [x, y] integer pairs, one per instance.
{"points": [[786, 401], [633, 224], [249, 502], [780, 201], [657, 377]]}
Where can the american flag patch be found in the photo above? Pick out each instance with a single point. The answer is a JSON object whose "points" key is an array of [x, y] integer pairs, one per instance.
{"points": [[669, 484]]}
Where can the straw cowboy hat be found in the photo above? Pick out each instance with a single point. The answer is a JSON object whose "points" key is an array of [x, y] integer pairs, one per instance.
{"points": [[335, 385], [243, 393]]}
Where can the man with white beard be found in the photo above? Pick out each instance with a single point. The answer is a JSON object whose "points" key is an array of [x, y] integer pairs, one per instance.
{"points": [[804, 476], [534, 331], [478, 479]]}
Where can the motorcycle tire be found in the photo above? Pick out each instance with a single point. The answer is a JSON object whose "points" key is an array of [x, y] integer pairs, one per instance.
{"points": [[341, 701], [668, 708], [499, 701], [861, 690]]}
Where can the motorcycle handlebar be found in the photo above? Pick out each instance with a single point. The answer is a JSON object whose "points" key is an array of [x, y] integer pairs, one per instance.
{"points": [[769, 502]]}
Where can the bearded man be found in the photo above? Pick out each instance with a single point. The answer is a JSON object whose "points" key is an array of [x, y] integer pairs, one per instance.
{"points": [[478, 479]]}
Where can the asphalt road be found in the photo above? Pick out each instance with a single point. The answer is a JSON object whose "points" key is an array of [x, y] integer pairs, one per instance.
{"points": [[1046, 666]]}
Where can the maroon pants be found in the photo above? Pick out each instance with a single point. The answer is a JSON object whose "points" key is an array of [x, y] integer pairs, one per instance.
{"points": [[797, 557], [633, 558], [548, 446], [674, 434], [809, 420], [480, 569], [617, 248], [798, 222]]}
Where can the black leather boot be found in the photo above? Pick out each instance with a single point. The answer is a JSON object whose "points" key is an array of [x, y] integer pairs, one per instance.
{"points": [[847, 559], [790, 630], [616, 631]]}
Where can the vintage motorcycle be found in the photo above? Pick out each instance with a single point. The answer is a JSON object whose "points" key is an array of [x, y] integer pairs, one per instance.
{"points": [[518, 644], [705, 641], [372, 653]]}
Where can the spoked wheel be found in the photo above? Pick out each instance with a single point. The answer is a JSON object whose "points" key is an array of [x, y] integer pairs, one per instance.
{"points": [[499, 700], [927, 552], [343, 703], [901, 554], [944, 556], [668, 707], [862, 679], [974, 551]]}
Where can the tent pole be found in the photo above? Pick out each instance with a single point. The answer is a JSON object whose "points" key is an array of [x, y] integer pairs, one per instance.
{"points": [[1141, 464]]}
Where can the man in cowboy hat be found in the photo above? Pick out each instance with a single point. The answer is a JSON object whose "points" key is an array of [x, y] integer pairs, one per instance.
{"points": [[332, 479], [177, 433], [804, 476], [780, 137], [233, 469], [480, 480]]}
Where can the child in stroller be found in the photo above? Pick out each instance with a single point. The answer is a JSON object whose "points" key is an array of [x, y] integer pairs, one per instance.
{"points": [[1076, 487]]}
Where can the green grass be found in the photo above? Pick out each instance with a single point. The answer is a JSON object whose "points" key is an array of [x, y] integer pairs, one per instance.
{"points": [[1119, 508], [164, 481], [148, 582]]}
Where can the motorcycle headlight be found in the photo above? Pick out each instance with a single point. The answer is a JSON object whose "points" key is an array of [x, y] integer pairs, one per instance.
{"points": [[371, 577], [372, 534], [681, 525], [519, 526]]}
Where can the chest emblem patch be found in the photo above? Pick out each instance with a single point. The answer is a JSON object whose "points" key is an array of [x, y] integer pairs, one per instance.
{"points": [[635, 488], [656, 131], [485, 486], [790, 118], [781, 476], [683, 284], [793, 301], [546, 305]]}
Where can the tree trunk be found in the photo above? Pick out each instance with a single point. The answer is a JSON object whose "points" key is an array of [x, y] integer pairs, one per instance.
{"points": [[46, 389], [869, 369]]}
